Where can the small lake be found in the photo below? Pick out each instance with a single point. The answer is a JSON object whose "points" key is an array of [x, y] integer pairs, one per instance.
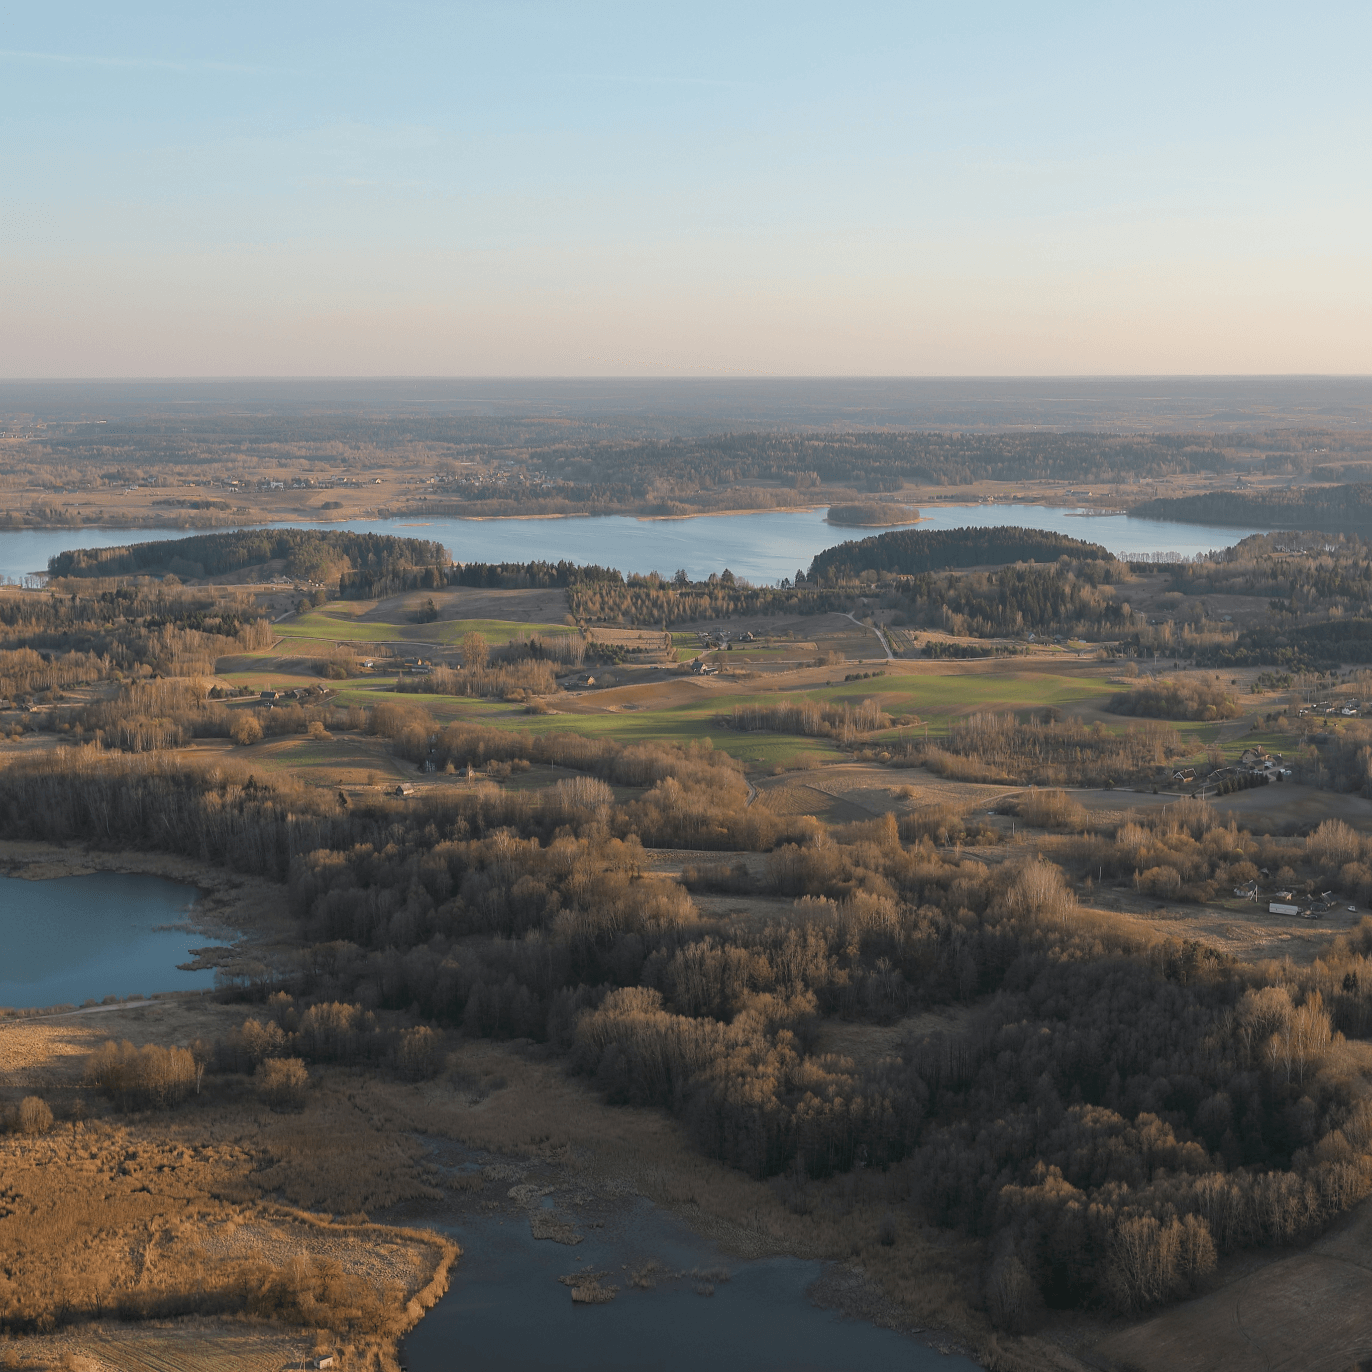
{"points": [[507, 1312], [762, 547], [73, 939]]}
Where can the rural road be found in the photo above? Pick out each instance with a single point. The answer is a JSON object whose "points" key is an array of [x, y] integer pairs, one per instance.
{"points": [[881, 638]]}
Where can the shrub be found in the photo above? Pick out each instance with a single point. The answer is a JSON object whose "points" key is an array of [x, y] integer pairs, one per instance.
{"points": [[1167, 699], [34, 1116], [245, 729], [142, 1076], [282, 1082]]}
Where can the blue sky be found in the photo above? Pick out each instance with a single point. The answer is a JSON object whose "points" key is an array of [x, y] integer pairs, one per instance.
{"points": [[755, 189]]}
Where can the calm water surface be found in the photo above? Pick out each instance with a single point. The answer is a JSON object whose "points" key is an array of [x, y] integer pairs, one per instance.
{"points": [[506, 1311], [82, 938], [762, 547]]}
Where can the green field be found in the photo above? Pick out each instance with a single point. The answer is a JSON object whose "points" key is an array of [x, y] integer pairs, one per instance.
{"points": [[940, 699], [339, 626], [936, 699]]}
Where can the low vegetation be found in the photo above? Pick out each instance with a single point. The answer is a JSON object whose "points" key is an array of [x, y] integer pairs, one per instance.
{"points": [[1169, 698], [873, 513]]}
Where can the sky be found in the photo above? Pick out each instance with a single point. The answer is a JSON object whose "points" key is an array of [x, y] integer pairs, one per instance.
{"points": [[587, 189]]}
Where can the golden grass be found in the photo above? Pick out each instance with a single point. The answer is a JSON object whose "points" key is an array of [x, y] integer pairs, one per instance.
{"points": [[165, 1214]]}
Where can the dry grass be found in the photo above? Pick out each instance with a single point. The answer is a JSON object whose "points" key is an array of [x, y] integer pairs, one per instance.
{"points": [[165, 1214], [182, 1346], [874, 790]]}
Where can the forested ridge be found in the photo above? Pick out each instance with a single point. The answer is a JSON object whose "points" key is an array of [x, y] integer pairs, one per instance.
{"points": [[882, 461], [1302, 507], [911, 551], [309, 553]]}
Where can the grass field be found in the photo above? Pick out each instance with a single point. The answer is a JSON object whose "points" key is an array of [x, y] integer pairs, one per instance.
{"points": [[1309, 1312], [640, 712], [333, 626]]}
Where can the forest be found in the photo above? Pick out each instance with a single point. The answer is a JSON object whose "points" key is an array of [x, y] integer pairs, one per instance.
{"points": [[1112, 1115], [312, 554], [908, 552], [1346, 507], [1101, 1113]]}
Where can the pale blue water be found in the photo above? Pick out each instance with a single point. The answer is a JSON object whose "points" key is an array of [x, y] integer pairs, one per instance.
{"points": [[506, 1311], [761, 547], [83, 938]]}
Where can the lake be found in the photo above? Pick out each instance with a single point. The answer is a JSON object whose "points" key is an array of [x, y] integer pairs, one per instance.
{"points": [[761, 547], [507, 1312], [73, 939]]}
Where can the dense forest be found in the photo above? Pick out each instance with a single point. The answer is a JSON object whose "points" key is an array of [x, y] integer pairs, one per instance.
{"points": [[1108, 1114], [1301, 507], [49, 642], [883, 461], [911, 551], [313, 554]]}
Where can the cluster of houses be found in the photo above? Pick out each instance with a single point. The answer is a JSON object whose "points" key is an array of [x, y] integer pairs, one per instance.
{"points": [[1350, 709], [720, 638], [1253, 762], [1287, 902], [1316, 907], [301, 695]]}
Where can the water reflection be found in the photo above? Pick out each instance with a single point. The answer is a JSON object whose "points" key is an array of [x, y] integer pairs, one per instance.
{"points": [[507, 1311], [762, 547], [78, 938]]}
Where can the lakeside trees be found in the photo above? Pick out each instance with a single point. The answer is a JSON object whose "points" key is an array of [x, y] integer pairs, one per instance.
{"points": [[1105, 1112]]}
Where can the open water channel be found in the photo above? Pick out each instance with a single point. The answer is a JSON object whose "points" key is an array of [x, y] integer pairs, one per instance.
{"points": [[763, 547], [507, 1311], [73, 939]]}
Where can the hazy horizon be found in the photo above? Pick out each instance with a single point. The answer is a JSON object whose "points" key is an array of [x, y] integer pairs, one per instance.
{"points": [[684, 405], [600, 190]]}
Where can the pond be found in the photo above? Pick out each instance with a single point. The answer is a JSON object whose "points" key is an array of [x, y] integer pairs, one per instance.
{"points": [[74, 939], [506, 1310], [763, 547]]}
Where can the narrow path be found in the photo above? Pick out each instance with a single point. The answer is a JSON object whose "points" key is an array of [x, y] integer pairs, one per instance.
{"points": [[881, 638]]}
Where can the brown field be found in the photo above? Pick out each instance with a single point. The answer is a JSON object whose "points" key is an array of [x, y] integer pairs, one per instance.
{"points": [[1308, 1312], [1269, 808], [167, 1212], [861, 791], [1247, 932], [535, 606], [194, 1345]]}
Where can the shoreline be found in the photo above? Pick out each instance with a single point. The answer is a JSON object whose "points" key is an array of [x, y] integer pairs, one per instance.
{"points": [[894, 524], [228, 903], [579, 1197]]}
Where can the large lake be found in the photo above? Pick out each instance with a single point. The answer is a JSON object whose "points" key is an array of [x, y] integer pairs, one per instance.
{"points": [[73, 939], [761, 547], [507, 1312]]}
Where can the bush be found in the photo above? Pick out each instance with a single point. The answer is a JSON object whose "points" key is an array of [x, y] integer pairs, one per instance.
{"points": [[34, 1116], [1168, 699], [245, 729], [282, 1082], [142, 1076]]}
